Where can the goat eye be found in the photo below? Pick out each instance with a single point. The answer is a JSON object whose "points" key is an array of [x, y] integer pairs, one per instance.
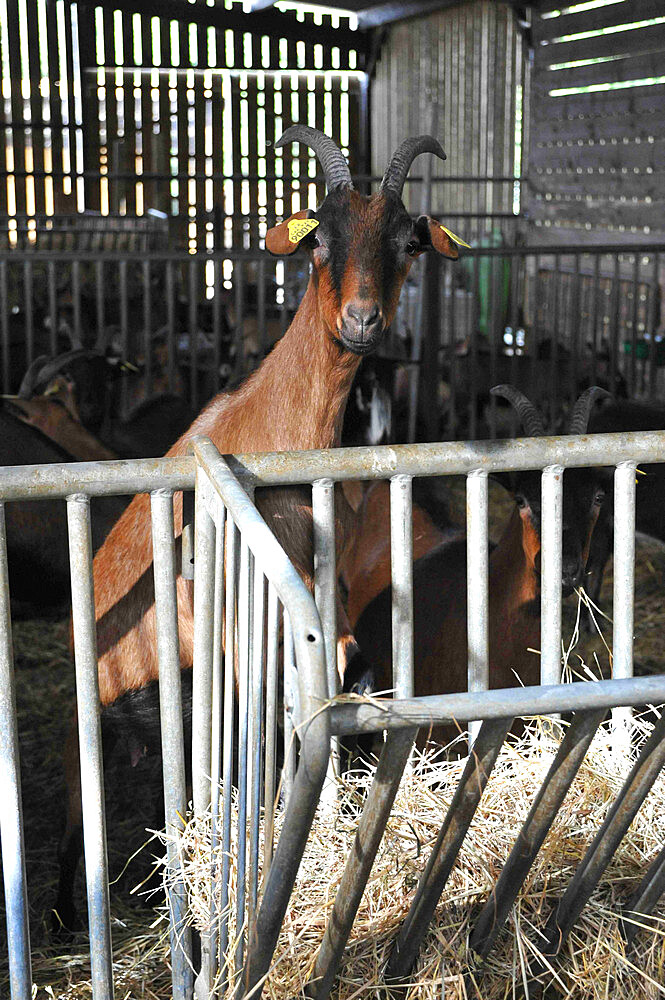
{"points": [[412, 248], [599, 498], [316, 242], [521, 501]]}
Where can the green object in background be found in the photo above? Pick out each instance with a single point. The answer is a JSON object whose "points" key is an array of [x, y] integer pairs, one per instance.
{"points": [[642, 350], [491, 270]]}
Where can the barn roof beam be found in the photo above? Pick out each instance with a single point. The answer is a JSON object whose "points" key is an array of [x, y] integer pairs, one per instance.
{"points": [[282, 24]]}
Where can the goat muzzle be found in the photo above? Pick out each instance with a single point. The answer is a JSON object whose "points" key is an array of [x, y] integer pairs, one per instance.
{"points": [[361, 326]]}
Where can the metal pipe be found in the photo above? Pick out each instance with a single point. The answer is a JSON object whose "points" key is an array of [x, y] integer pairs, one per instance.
{"points": [[401, 575], [256, 741], [624, 593], [644, 899], [370, 717], [477, 586], [90, 744], [325, 596], [231, 565], [173, 745], [243, 733], [290, 683], [216, 730], [11, 807], [272, 683], [551, 531]]}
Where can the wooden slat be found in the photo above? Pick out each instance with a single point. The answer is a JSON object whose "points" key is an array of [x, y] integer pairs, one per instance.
{"points": [[36, 108], [621, 156], [597, 186], [619, 43], [630, 216], [608, 127], [633, 101], [639, 67], [18, 134], [592, 19]]}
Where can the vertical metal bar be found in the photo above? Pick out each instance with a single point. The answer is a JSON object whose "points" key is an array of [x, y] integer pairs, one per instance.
{"points": [[204, 583], [533, 347], [173, 744], [217, 731], [29, 313], [147, 330], [624, 590], [325, 595], [401, 572], [216, 323], [124, 331], [90, 743], [193, 335], [550, 574], [614, 329], [289, 706], [473, 367], [99, 304], [452, 347], [76, 297], [477, 585], [4, 328], [170, 326], [654, 297], [271, 726], [554, 346], [594, 316], [52, 309], [231, 565], [239, 282], [576, 332], [243, 721], [11, 808], [256, 738], [633, 326], [494, 335]]}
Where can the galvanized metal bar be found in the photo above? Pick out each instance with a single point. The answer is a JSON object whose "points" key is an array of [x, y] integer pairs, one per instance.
{"points": [[243, 735], [554, 344], [173, 745], [473, 368], [28, 300], [653, 298], [624, 593], [449, 841], [477, 585], [635, 789], [535, 332], [231, 566], [90, 744], [216, 731], [272, 693], [452, 348], [4, 328], [256, 739], [576, 334], [401, 574], [594, 316], [325, 595], [643, 901], [551, 531], [202, 669], [633, 326], [193, 333], [11, 807], [375, 815], [346, 718], [614, 325], [542, 814], [290, 683]]}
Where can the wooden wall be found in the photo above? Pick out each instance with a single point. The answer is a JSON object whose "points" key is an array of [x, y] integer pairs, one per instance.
{"points": [[597, 151], [469, 60]]}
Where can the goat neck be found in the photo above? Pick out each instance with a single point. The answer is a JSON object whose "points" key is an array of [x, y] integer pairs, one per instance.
{"points": [[513, 575]]}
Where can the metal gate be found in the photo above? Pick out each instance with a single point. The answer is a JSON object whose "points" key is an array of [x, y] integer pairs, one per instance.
{"points": [[241, 577]]}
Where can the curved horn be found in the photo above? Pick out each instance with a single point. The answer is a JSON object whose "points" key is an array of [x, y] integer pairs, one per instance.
{"points": [[403, 157], [532, 422], [582, 409], [335, 168], [31, 377]]}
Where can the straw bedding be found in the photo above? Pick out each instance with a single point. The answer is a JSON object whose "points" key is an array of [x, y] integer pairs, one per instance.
{"points": [[594, 966]]}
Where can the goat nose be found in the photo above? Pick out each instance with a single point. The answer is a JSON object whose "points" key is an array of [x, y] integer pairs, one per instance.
{"points": [[364, 315], [570, 571]]}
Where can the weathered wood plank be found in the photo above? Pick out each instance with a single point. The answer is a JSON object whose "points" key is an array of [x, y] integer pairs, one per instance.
{"points": [[636, 40], [636, 67], [547, 28]]}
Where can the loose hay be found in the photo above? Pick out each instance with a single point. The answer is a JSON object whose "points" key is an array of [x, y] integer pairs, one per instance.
{"points": [[594, 963]]}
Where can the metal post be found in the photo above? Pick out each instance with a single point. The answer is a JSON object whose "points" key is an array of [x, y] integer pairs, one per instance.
{"points": [[256, 738], [290, 682], [550, 575], [624, 589], [477, 585], [243, 725], [271, 726], [401, 572], [90, 743], [217, 728], [173, 746], [227, 750], [11, 809], [325, 595]]}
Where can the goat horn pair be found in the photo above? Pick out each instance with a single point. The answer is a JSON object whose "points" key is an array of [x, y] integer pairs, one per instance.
{"points": [[532, 421], [336, 169]]}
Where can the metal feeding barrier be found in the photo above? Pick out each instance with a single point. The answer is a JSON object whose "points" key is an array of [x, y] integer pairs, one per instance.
{"points": [[261, 644]]}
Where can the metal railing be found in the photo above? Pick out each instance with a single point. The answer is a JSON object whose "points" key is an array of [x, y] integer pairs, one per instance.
{"points": [[234, 553]]}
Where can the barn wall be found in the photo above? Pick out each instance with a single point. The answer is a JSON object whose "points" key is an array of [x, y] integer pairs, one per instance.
{"points": [[470, 61], [597, 152]]}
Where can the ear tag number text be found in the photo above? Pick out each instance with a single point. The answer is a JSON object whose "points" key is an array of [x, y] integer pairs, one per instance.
{"points": [[299, 228]]}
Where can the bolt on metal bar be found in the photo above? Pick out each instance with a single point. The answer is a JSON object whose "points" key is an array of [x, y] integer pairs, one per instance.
{"points": [[643, 901], [375, 815], [217, 729], [256, 738], [633, 793], [551, 574], [172, 736], [401, 575], [243, 732], [624, 591], [90, 744], [458, 818], [530, 839], [231, 567], [11, 807], [477, 585], [290, 683], [272, 682]]}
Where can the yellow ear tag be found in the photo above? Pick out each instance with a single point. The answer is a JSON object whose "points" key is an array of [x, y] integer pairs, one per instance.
{"points": [[299, 228], [454, 238]]}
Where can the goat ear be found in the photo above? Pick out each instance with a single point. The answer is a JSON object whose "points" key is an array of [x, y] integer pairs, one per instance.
{"points": [[285, 238], [432, 233]]}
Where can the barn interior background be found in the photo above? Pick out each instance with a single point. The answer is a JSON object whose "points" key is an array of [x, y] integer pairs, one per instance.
{"points": [[139, 176]]}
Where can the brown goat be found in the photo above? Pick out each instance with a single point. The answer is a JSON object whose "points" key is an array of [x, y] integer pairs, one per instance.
{"points": [[361, 250], [56, 416], [440, 585]]}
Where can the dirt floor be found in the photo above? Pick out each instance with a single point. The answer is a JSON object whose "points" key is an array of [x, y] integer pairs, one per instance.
{"points": [[45, 696]]}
